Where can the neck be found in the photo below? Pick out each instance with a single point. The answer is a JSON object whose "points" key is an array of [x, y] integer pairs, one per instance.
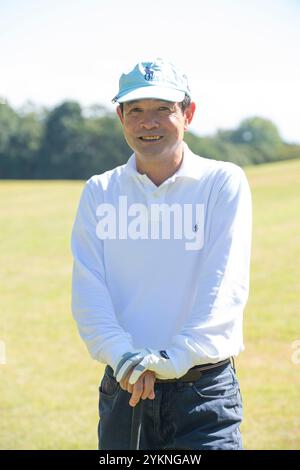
{"points": [[159, 170]]}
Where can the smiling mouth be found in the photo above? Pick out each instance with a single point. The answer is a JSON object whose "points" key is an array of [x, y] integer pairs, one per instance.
{"points": [[151, 138]]}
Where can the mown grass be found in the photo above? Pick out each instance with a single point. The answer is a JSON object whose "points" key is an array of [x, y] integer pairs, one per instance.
{"points": [[269, 379], [49, 386]]}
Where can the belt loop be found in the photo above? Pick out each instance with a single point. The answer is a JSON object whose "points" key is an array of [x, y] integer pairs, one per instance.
{"points": [[233, 364]]}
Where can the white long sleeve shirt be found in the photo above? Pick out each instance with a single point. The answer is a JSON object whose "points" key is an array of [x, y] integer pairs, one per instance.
{"points": [[179, 284]]}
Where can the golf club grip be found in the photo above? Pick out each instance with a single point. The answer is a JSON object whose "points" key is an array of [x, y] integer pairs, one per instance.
{"points": [[136, 426]]}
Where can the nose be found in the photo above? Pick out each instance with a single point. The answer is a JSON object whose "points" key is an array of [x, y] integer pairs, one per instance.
{"points": [[149, 121]]}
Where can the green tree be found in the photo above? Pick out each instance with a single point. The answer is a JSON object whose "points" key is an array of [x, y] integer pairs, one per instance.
{"points": [[9, 120], [70, 142], [262, 135], [62, 143]]}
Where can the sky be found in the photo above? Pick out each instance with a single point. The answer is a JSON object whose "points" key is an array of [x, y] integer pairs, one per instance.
{"points": [[241, 56]]}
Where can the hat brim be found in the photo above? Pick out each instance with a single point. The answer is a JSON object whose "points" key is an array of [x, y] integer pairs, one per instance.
{"points": [[152, 92]]}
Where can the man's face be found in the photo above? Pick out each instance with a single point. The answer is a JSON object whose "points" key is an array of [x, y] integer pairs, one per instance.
{"points": [[154, 128]]}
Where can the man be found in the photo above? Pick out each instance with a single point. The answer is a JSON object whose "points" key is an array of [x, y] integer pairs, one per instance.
{"points": [[161, 250]]}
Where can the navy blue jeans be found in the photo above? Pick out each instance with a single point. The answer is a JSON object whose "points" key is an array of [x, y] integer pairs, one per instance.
{"points": [[205, 414]]}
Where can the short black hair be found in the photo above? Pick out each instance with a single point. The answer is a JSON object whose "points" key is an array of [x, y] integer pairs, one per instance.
{"points": [[186, 102], [183, 104]]}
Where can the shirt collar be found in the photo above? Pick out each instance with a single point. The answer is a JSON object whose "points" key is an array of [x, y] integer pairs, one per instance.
{"points": [[189, 168]]}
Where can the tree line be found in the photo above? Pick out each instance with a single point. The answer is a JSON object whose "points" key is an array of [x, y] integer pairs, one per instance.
{"points": [[71, 142]]}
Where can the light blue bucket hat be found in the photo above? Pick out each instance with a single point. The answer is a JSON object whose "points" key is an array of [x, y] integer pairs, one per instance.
{"points": [[157, 79]]}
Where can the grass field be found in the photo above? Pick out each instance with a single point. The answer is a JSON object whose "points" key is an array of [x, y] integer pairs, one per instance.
{"points": [[49, 385]]}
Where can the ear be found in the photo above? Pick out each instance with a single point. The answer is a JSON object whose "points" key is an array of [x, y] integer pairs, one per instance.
{"points": [[119, 113], [189, 114]]}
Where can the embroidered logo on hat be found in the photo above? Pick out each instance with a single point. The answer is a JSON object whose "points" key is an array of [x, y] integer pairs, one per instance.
{"points": [[149, 73]]}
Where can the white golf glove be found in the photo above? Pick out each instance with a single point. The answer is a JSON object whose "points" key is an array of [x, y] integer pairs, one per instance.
{"points": [[128, 361], [157, 361]]}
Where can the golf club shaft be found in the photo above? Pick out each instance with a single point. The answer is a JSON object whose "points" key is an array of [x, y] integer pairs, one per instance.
{"points": [[136, 426]]}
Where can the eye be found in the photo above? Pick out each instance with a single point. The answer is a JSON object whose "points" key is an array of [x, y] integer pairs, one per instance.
{"points": [[135, 110], [164, 108]]}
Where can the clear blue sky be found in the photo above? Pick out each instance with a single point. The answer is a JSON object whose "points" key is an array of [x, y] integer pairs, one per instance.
{"points": [[241, 56]]}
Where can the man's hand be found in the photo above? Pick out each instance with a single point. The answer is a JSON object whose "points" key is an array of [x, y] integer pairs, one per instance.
{"points": [[127, 362], [142, 389], [158, 362]]}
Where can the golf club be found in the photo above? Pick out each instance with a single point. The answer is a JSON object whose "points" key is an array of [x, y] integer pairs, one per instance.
{"points": [[136, 425]]}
